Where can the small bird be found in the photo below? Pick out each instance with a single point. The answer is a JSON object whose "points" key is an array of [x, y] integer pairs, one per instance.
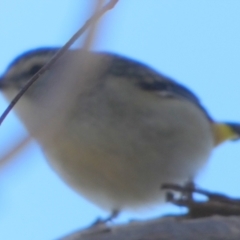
{"points": [[114, 129]]}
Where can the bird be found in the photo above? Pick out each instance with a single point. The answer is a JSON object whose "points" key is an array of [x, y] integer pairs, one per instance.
{"points": [[113, 128]]}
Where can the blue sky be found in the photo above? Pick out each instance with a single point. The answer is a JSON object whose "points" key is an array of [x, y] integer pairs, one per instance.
{"points": [[194, 42]]}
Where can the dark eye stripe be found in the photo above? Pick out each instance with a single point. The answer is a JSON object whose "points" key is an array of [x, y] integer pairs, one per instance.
{"points": [[41, 52], [34, 69]]}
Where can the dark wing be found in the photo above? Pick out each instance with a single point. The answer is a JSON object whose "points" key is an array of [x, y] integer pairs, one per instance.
{"points": [[149, 79]]}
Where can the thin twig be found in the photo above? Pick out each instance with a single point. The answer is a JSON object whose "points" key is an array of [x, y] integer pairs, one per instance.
{"points": [[211, 195], [217, 204], [61, 51], [90, 37], [9, 156]]}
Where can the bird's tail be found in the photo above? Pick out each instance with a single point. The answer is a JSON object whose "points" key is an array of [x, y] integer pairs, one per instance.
{"points": [[225, 131]]}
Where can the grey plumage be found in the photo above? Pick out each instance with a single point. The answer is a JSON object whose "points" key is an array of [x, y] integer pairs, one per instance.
{"points": [[114, 132]]}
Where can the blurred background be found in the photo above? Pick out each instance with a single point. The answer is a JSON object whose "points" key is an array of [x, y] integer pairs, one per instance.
{"points": [[194, 42]]}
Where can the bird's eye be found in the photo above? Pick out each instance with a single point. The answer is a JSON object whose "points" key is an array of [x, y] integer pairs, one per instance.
{"points": [[34, 69]]}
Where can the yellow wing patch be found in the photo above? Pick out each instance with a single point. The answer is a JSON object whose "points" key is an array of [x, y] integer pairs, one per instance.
{"points": [[223, 132]]}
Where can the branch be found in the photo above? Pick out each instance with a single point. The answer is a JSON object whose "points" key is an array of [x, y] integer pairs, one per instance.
{"points": [[201, 222], [166, 229]]}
